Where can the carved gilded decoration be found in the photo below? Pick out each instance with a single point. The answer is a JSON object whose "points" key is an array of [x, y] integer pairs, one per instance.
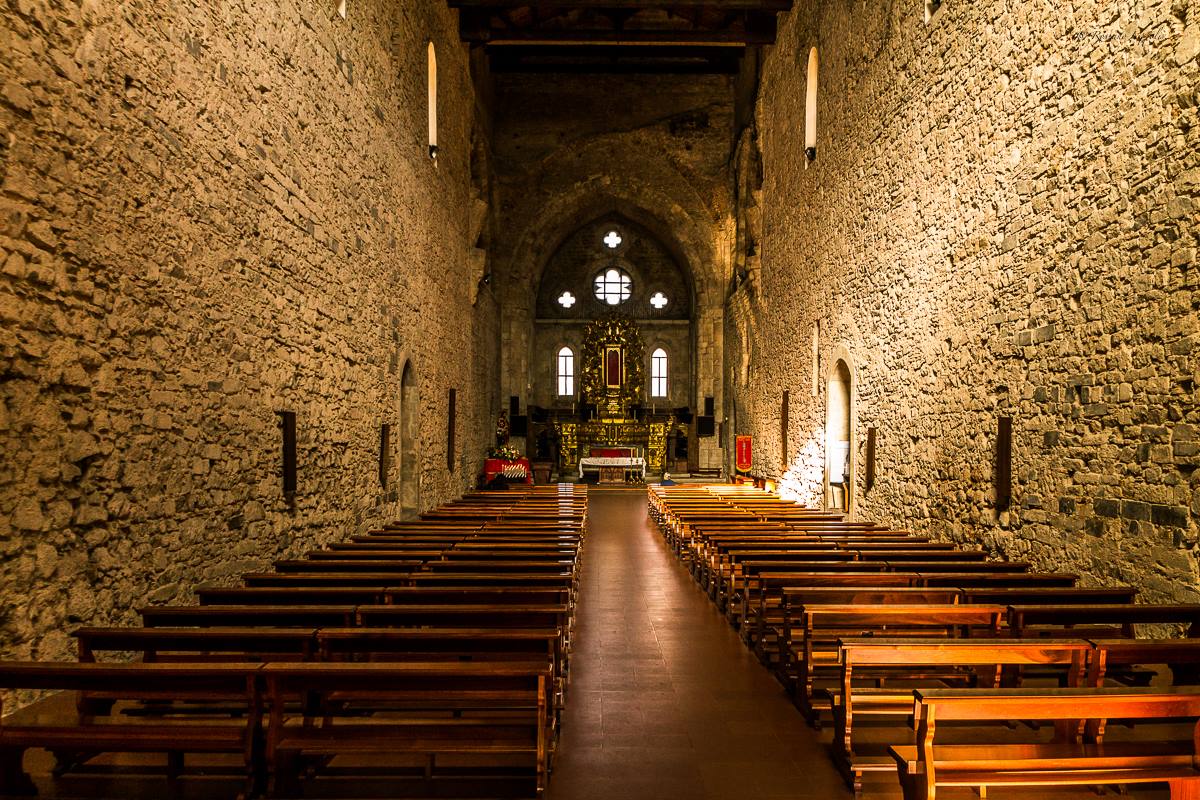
{"points": [[612, 377], [613, 332]]}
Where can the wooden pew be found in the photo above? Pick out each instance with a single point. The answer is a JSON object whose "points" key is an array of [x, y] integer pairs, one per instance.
{"points": [[821, 626], [462, 615], [498, 710], [1108, 619], [439, 644], [291, 595], [182, 720], [929, 766], [328, 579], [748, 590], [192, 645], [1015, 578], [1050, 595], [495, 595], [1112, 656], [247, 616], [779, 632], [933, 660], [762, 595]]}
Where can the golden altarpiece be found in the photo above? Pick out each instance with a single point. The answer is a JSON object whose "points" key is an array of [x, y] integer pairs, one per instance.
{"points": [[612, 380]]}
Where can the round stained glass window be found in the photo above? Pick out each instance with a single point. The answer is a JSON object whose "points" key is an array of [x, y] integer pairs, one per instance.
{"points": [[613, 286]]}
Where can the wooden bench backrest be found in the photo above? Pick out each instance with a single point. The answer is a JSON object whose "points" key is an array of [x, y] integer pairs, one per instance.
{"points": [[1045, 704]]}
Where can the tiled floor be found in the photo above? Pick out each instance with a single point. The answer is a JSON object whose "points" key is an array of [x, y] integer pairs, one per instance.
{"points": [[665, 702]]}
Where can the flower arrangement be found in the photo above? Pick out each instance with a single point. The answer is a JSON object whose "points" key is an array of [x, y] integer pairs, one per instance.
{"points": [[506, 453]]}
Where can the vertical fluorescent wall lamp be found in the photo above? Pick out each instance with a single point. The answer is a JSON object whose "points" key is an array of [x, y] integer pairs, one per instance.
{"points": [[810, 110], [433, 131]]}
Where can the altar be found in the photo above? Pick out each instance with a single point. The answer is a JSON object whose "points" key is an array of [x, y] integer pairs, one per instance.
{"points": [[614, 464], [616, 425]]}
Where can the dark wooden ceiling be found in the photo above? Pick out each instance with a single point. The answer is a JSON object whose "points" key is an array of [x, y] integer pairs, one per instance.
{"points": [[618, 35]]}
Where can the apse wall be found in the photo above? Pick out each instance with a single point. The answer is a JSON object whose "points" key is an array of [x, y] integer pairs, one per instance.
{"points": [[213, 212], [1001, 221], [653, 149]]}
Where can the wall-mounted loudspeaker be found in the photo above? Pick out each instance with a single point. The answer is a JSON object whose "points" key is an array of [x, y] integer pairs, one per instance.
{"points": [[869, 477], [514, 405], [385, 453], [709, 407], [287, 421], [451, 430], [519, 427], [706, 426], [1004, 464]]}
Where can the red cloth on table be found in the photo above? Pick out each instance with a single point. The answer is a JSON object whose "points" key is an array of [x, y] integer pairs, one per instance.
{"points": [[611, 452]]}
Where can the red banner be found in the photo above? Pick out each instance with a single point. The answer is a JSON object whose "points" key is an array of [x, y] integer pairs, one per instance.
{"points": [[745, 454]]}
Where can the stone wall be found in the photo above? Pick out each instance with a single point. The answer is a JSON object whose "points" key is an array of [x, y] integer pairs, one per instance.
{"points": [[212, 212], [1002, 221]]}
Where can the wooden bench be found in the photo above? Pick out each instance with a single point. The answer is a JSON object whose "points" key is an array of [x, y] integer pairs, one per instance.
{"points": [[1113, 620], [361, 579], [461, 615], [1181, 656], [1051, 595], [933, 661], [100, 710], [778, 631], [1015, 578], [298, 616], [290, 595], [402, 712], [928, 766], [191, 645], [821, 626], [763, 594]]}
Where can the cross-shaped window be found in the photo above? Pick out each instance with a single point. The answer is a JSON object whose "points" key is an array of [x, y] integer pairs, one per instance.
{"points": [[613, 240], [567, 300], [659, 300]]}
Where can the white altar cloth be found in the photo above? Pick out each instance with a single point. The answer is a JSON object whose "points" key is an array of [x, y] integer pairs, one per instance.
{"points": [[627, 462]]}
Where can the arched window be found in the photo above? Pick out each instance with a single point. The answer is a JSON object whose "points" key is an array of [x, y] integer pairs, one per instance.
{"points": [[433, 132], [566, 373], [658, 373], [810, 110]]}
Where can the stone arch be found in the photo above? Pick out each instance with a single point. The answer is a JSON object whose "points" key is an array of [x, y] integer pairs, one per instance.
{"points": [[840, 414], [655, 195], [408, 439]]}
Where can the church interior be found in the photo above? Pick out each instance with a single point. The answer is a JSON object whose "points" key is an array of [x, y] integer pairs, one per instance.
{"points": [[599, 399]]}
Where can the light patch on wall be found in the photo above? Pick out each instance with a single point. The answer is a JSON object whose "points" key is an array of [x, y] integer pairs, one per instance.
{"points": [[433, 120], [802, 481], [810, 110], [816, 359]]}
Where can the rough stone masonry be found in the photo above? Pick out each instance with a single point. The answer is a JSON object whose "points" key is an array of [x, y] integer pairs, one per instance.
{"points": [[1002, 220], [213, 212]]}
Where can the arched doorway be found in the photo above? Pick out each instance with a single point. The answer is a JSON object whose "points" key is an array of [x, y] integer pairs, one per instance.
{"points": [[410, 473], [839, 429]]}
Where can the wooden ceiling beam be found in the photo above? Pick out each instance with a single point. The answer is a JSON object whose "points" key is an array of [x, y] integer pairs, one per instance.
{"points": [[628, 38], [639, 5]]}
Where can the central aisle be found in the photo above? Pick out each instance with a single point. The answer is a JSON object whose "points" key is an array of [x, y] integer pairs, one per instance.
{"points": [[665, 702]]}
